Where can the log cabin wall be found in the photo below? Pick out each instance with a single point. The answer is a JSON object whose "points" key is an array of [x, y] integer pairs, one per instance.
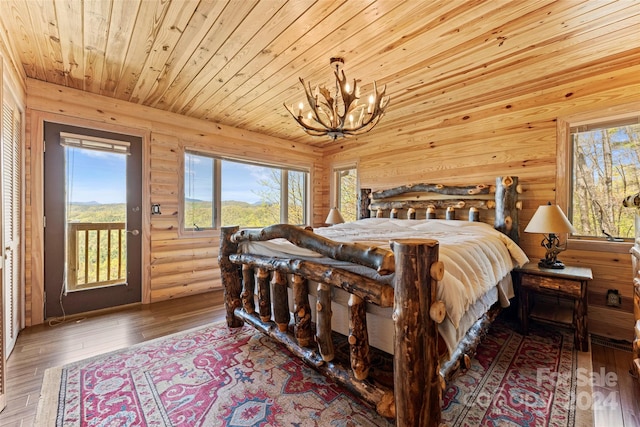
{"points": [[174, 265], [517, 138], [509, 136], [459, 113]]}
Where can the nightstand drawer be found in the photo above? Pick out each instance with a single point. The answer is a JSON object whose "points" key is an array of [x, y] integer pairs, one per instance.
{"points": [[555, 285]]}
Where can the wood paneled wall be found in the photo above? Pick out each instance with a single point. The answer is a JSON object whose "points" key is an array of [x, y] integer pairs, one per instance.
{"points": [[510, 136], [174, 265]]}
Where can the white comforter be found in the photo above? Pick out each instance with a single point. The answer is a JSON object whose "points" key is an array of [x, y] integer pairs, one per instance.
{"points": [[475, 255]]}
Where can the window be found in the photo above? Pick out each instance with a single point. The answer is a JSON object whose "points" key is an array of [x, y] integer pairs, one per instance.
{"points": [[604, 160], [228, 192], [199, 192], [297, 197], [346, 185]]}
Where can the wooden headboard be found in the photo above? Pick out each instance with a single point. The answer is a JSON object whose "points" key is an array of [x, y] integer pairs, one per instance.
{"points": [[496, 204]]}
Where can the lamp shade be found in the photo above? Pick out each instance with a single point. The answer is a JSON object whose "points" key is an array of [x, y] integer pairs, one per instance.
{"points": [[549, 219], [334, 217]]}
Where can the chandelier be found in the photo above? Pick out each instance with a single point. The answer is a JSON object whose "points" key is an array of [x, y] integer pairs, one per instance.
{"points": [[339, 115]]}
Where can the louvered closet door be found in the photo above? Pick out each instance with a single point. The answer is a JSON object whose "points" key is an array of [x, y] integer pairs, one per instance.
{"points": [[11, 171]]}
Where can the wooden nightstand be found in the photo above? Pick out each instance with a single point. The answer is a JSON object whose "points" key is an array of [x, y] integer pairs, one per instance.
{"points": [[568, 283]]}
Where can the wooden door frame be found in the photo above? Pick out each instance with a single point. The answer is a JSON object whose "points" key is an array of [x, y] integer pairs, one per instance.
{"points": [[3, 370], [36, 201]]}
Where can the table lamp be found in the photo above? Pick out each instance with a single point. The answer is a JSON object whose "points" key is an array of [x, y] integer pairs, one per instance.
{"points": [[334, 217], [549, 220]]}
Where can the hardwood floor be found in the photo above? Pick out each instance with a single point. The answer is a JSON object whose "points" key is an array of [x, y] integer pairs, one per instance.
{"points": [[43, 346], [615, 392]]}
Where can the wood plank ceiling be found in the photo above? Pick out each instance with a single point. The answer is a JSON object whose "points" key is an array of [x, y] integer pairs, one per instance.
{"points": [[236, 62]]}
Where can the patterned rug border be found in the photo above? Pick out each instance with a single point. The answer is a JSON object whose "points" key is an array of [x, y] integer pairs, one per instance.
{"points": [[47, 410], [584, 417]]}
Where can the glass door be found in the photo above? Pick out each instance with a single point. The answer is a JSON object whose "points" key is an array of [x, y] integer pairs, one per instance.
{"points": [[96, 244], [92, 210]]}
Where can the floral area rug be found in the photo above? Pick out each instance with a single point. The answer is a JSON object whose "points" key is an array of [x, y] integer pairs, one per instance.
{"points": [[514, 380], [215, 376]]}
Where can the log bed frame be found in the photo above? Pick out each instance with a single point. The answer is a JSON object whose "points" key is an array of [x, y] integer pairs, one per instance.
{"points": [[416, 395]]}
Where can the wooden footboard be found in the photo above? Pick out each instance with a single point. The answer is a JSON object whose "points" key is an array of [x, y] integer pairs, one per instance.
{"points": [[416, 394]]}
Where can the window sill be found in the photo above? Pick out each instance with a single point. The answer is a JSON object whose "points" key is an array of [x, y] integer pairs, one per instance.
{"points": [[597, 245]]}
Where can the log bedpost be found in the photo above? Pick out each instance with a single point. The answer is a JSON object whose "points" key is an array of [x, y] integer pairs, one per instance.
{"points": [[363, 203], [302, 311], [506, 206], [249, 289], [230, 275], [281, 301], [264, 295], [323, 322], [358, 337], [417, 384]]}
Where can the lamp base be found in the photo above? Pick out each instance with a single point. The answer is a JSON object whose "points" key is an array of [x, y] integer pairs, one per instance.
{"points": [[545, 263]]}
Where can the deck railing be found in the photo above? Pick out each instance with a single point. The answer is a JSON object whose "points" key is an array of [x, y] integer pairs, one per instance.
{"points": [[96, 254]]}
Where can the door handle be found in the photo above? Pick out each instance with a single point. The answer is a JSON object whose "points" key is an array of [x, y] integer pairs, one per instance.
{"points": [[134, 232]]}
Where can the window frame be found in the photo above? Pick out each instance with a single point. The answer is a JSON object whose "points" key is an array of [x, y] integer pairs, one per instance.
{"points": [[564, 168], [217, 190], [209, 231], [335, 185], [284, 195]]}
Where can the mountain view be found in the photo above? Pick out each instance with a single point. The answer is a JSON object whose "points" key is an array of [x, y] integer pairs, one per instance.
{"points": [[199, 211]]}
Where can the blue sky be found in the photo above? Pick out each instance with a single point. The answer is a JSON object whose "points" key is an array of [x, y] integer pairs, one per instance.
{"points": [[96, 176], [240, 181]]}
